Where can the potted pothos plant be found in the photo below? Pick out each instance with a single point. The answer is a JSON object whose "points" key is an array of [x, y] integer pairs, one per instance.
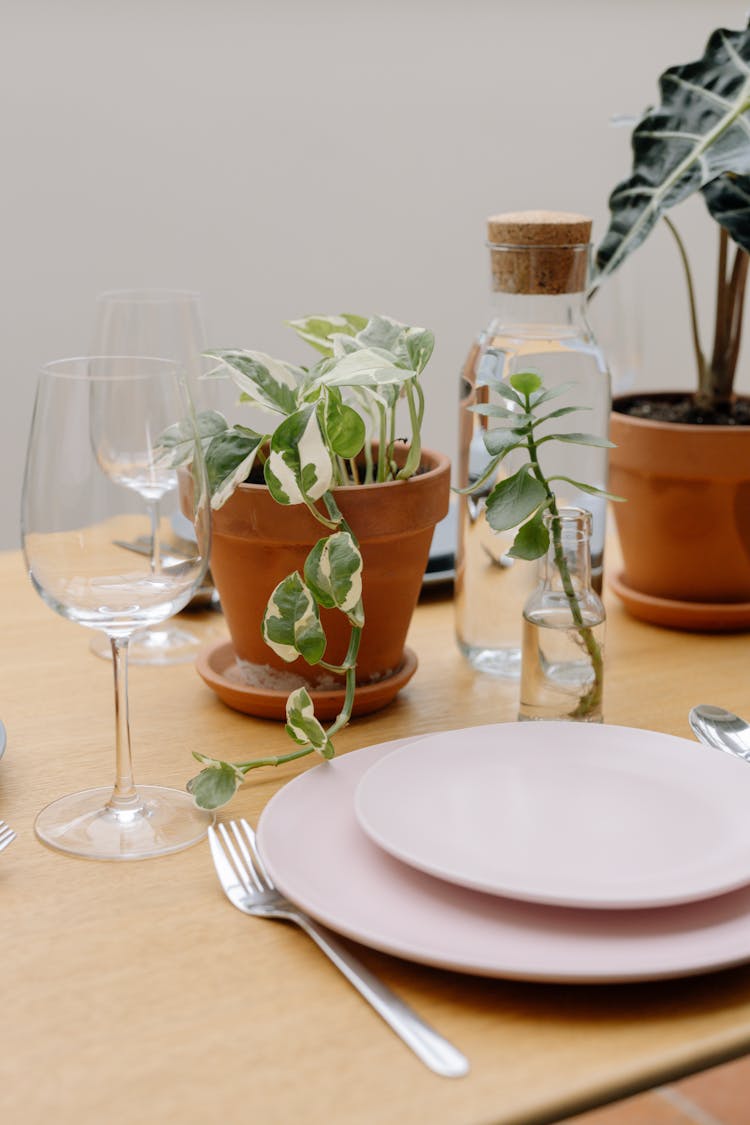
{"points": [[683, 456], [322, 521]]}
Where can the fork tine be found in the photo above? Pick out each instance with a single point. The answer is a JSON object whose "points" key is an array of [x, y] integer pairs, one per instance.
{"points": [[259, 865], [251, 869], [224, 869], [6, 837]]}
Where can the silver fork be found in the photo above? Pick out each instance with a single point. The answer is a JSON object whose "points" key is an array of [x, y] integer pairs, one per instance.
{"points": [[248, 886], [7, 835]]}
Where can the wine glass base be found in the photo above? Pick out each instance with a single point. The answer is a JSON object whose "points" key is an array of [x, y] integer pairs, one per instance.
{"points": [[82, 824], [167, 644]]}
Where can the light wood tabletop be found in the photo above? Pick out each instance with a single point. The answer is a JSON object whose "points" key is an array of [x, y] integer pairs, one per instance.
{"points": [[135, 991]]}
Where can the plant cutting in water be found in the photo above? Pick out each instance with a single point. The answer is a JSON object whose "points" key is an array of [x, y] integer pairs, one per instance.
{"points": [[332, 424], [522, 499]]}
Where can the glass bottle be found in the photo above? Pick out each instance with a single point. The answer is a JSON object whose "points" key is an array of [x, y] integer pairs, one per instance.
{"points": [[539, 268], [562, 672]]}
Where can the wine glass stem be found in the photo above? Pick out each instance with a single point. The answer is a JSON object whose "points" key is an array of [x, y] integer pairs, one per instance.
{"points": [[124, 796], [153, 512]]}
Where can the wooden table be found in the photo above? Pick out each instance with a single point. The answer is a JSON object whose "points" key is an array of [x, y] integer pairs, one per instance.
{"points": [[135, 992]]}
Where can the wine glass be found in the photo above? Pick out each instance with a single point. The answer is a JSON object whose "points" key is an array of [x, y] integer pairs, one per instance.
{"points": [[93, 475], [165, 323]]}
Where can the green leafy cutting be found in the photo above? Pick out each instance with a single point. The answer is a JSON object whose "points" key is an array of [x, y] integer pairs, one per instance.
{"points": [[522, 499]]}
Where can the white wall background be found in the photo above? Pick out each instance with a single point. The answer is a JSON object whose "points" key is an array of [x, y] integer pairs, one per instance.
{"points": [[293, 156]]}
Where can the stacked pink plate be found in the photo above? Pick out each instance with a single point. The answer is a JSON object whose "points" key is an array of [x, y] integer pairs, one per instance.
{"points": [[539, 851]]}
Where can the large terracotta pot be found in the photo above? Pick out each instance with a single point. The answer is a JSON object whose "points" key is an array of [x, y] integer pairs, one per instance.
{"points": [[685, 528], [257, 542]]}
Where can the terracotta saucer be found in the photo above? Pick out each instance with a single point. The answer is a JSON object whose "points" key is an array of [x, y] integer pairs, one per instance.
{"points": [[701, 617], [217, 666]]}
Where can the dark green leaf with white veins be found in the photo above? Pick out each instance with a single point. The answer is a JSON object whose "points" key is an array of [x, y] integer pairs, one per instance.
{"points": [[699, 132], [333, 571], [513, 500], [291, 625], [728, 199], [302, 725]]}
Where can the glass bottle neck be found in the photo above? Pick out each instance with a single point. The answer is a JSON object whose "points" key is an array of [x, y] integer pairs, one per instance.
{"points": [[569, 553], [539, 315]]}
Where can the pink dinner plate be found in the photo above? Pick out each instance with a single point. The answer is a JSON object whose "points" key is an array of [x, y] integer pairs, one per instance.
{"points": [[319, 856], [567, 814]]}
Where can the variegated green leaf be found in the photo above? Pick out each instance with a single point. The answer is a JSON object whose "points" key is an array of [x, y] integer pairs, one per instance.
{"points": [[343, 426], [367, 367], [291, 625], [299, 465], [383, 334], [420, 343], [333, 571], [303, 727], [176, 444], [267, 382], [229, 459], [319, 330], [216, 784]]}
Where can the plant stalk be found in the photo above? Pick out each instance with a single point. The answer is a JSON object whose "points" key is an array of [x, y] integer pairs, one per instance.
{"points": [[591, 699]]}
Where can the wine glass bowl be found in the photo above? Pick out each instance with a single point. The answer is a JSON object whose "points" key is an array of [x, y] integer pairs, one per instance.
{"points": [[166, 323], [94, 476]]}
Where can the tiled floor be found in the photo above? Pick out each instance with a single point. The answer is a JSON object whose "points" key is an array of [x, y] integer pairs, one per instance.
{"points": [[716, 1097]]}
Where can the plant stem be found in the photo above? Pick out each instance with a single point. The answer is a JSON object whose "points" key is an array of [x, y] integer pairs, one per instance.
{"points": [[700, 359], [737, 286], [592, 698], [382, 446]]}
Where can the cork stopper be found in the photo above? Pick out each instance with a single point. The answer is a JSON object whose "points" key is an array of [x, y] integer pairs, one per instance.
{"points": [[539, 251]]}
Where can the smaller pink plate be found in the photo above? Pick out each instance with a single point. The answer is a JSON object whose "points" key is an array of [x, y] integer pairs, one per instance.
{"points": [[568, 814]]}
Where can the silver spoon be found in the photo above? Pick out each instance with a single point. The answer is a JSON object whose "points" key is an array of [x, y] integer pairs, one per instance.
{"points": [[721, 729]]}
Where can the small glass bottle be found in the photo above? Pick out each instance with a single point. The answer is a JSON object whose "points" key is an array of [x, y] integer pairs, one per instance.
{"points": [[562, 673], [539, 267]]}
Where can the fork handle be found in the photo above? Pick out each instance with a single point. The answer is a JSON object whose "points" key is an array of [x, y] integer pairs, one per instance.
{"points": [[435, 1051]]}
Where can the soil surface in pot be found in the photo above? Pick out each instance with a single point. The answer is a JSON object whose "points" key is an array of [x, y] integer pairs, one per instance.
{"points": [[682, 408]]}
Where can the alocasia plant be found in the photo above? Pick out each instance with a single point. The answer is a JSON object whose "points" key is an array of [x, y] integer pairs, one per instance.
{"points": [[332, 424], [696, 139]]}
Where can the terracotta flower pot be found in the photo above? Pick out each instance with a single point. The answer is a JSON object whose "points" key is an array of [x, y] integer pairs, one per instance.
{"points": [[685, 529], [257, 542]]}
